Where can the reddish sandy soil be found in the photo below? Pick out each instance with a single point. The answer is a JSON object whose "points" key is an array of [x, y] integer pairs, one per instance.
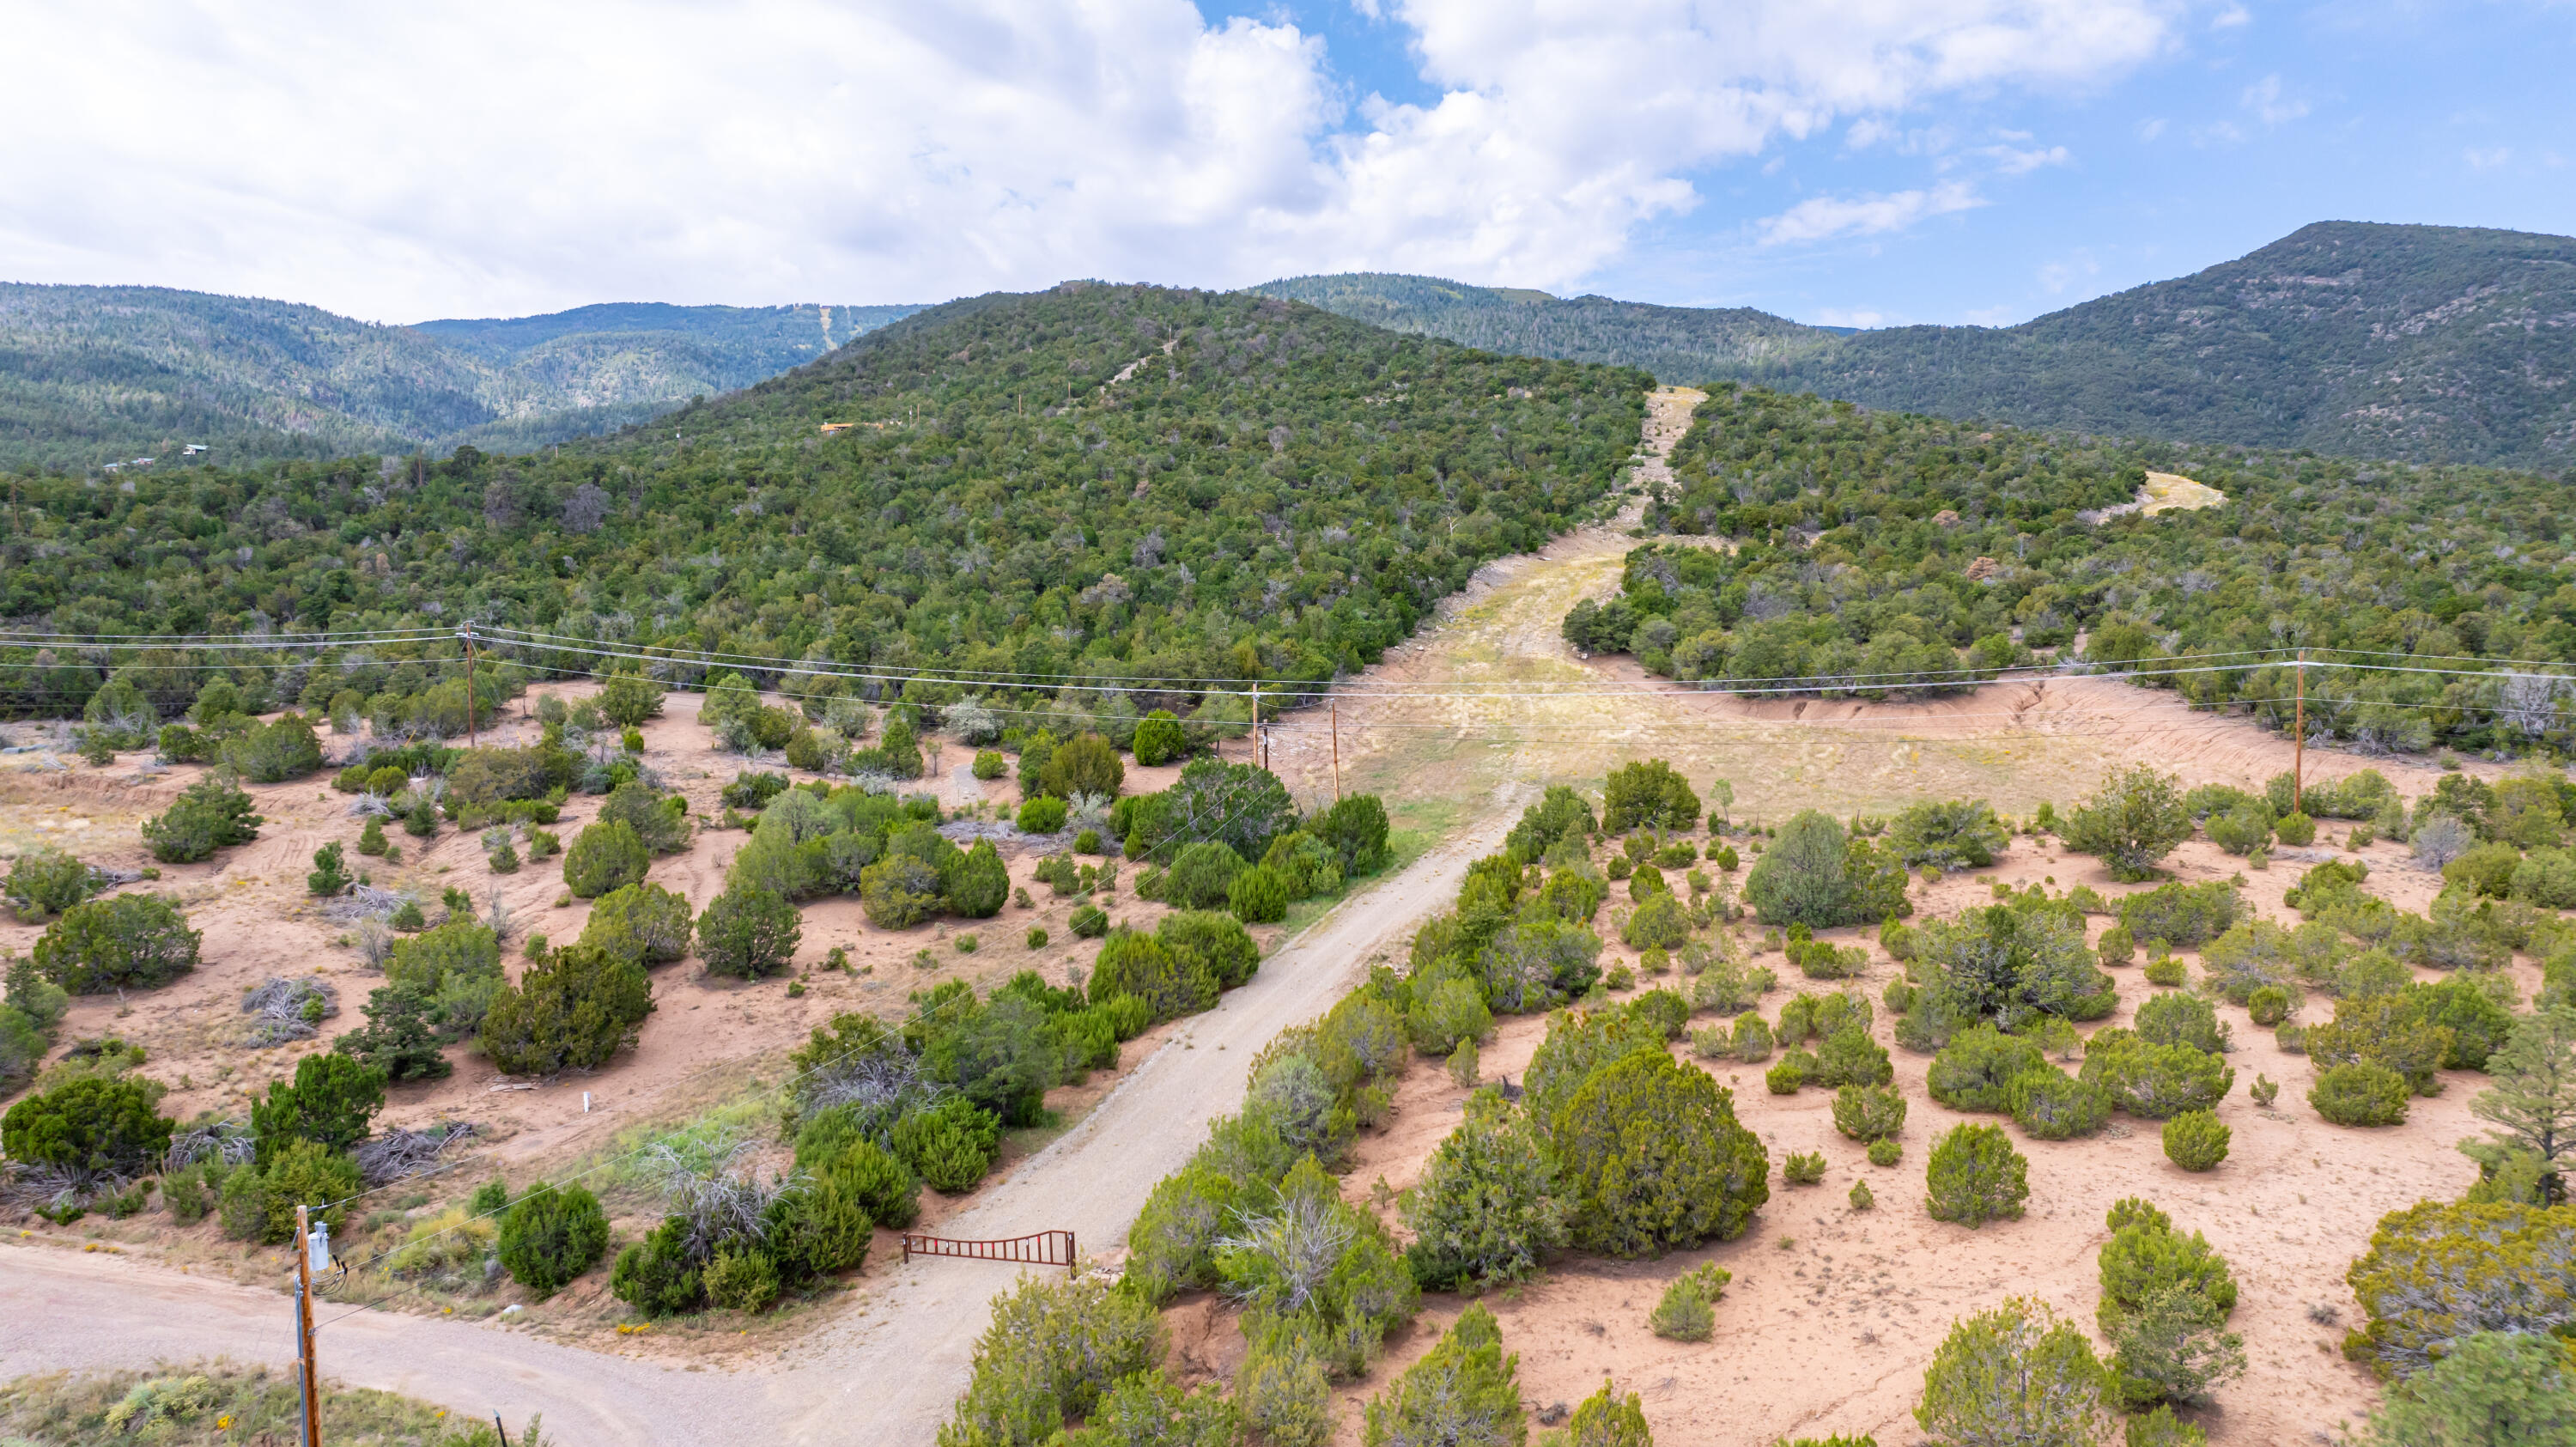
{"points": [[708, 1041], [1833, 1313], [257, 921]]}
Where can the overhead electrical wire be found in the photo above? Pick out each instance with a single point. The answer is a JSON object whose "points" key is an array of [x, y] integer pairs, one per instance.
{"points": [[1454, 690], [502, 637]]}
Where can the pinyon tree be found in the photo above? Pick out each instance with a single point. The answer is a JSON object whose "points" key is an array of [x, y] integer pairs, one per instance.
{"points": [[2439, 1271], [2492, 1389], [2532, 1104], [2016, 1376], [1488, 1207], [2134, 820]]}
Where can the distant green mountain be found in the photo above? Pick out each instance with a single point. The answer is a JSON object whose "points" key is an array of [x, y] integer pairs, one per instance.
{"points": [[1676, 343], [90, 375], [771, 337], [2427, 343]]}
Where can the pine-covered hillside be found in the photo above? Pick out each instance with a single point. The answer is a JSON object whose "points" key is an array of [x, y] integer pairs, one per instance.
{"points": [[1678, 344], [1114, 480], [91, 375], [2429, 343], [2423, 343]]}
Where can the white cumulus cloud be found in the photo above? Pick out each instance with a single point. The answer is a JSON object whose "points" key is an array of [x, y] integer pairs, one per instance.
{"points": [[1822, 218], [466, 156]]}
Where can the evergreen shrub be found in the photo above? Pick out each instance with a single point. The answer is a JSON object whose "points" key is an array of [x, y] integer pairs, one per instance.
{"points": [[1975, 1176]]}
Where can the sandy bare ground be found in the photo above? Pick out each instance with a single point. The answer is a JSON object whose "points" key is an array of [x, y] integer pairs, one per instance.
{"points": [[258, 923], [1833, 1314], [896, 1359]]}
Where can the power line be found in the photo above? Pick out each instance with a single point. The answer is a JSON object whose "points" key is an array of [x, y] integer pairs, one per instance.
{"points": [[1291, 689], [1106, 681], [1291, 692], [158, 640], [1116, 683]]}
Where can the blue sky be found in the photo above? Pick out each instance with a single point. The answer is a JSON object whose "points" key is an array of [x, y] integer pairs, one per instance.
{"points": [[1851, 161], [2254, 121]]}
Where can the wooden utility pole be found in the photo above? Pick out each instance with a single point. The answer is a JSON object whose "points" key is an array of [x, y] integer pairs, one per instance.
{"points": [[1337, 751], [307, 1377], [467, 632], [1260, 735], [2299, 744]]}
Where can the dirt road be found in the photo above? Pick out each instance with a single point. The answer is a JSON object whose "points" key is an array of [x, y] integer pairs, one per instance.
{"points": [[895, 1364], [64, 1310], [903, 1364], [1493, 694]]}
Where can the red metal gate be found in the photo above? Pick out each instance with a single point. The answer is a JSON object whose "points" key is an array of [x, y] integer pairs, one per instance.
{"points": [[1046, 1248]]}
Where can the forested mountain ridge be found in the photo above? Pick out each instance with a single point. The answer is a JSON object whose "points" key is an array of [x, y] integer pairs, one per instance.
{"points": [[2430, 343], [1678, 344], [776, 336], [90, 375], [1268, 491], [2425, 343]]}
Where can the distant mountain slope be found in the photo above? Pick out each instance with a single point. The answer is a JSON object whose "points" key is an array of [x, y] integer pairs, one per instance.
{"points": [[1113, 481], [2428, 343], [2431, 343], [1675, 343], [98, 374], [772, 331]]}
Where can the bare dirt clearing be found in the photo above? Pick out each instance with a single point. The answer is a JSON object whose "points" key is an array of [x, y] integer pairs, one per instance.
{"points": [[1503, 701]]}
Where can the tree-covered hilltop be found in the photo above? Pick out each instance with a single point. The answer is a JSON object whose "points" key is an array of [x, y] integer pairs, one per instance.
{"points": [[2429, 343], [1872, 547], [1676, 343], [1110, 480], [97, 374]]}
